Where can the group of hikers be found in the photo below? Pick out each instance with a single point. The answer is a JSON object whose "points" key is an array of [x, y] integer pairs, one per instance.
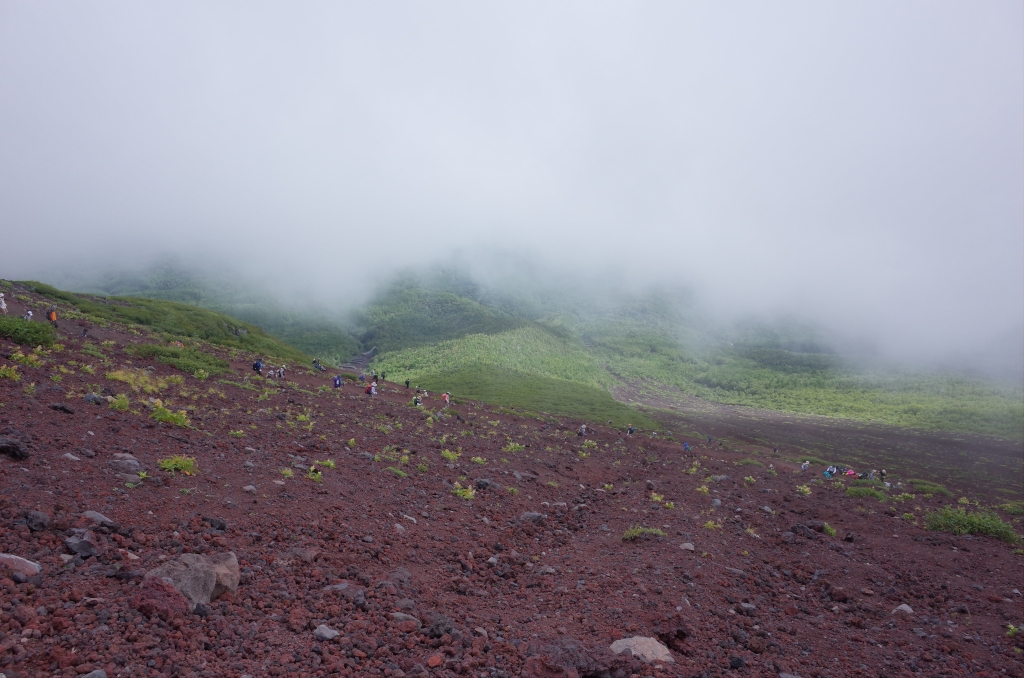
{"points": [[51, 313], [841, 471], [272, 373]]}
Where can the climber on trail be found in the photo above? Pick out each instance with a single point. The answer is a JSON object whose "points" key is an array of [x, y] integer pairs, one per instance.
{"points": [[582, 430], [630, 430], [446, 396], [51, 315], [406, 384], [337, 381], [3, 304], [257, 366]]}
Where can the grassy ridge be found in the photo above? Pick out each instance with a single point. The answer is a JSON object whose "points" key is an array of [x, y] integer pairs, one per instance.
{"points": [[175, 320], [535, 394]]}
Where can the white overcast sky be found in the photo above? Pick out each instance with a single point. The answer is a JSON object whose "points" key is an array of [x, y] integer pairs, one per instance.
{"points": [[858, 163]]}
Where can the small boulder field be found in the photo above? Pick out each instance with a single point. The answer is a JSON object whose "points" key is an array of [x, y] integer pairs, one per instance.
{"points": [[161, 521]]}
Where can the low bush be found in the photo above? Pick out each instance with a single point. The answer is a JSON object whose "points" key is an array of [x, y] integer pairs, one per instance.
{"points": [[179, 464], [928, 487], [25, 332], [864, 492], [749, 462], [961, 521], [636, 532], [163, 414], [189, 359], [866, 482]]}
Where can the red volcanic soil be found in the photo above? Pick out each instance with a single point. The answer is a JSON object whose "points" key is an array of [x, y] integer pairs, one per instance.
{"points": [[529, 577]]}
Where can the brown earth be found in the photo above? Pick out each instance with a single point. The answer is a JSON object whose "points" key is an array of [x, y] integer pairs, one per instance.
{"points": [[489, 589]]}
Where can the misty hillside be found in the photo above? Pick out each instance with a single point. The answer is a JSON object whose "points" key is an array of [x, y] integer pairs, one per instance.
{"points": [[562, 351]]}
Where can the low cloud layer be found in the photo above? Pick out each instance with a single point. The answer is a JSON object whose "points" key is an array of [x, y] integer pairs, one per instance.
{"points": [[856, 165]]}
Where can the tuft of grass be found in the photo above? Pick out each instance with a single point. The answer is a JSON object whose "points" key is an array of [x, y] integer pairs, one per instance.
{"points": [[178, 418], [749, 480], [179, 464], [422, 468], [478, 460], [464, 492], [237, 434], [315, 474], [142, 380], [589, 445], [450, 456], [961, 521], [829, 530], [30, 359], [866, 482], [552, 483], [328, 463], [120, 403], [711, 525], [287, 472], [638, 531], [928, 487], [749, 462], [904, 496], [513, 447], [865, 492], [513, 490], [703, 489], [1014, 508], [189, 359], [803, 489], [25, 332], [10, 372], [657, 497], [397, 471]]}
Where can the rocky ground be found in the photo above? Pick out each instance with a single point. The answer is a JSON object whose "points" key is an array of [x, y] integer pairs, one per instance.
{"points": [[472, 542]]}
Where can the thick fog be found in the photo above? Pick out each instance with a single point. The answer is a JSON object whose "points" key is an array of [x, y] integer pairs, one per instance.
{"points": [[859, 165]]}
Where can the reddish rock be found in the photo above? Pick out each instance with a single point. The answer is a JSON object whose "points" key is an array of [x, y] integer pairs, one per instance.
{"points": [[435, 660], [158, 597]]}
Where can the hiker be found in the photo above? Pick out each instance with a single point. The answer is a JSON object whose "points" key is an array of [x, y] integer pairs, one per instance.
{"points": [[318, 366], [709, 440], [686, 446], [630, 430], [445, 397], [368, 390], [406, 384], [257, 366], [375, 375], [373, 389], [582, 431], [383, 376], [804, 466], [417, 401], [881, 474], [337, 381], [51, 315], [3, 304], [85, 331], [362, 376], [27, 316], [280, 372]]}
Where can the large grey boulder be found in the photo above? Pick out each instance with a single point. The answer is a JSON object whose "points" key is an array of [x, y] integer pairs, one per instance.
{"points": [[19, 564], [644, 648], [200, 578]]}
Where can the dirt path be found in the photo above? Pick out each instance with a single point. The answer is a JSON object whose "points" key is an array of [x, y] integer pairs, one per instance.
{"points": [[973, 463]]}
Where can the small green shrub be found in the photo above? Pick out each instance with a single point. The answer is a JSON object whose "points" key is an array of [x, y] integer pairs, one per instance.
{"points": [[464, 492], [805, 490], [315, 474], [120, 403], [287, 472], [422, 468], [397, 471], [178, 418], [866, 482], [450, 456], [1014, 508], [637, 531], [179, 464], [829, 530], [513, 447], [589, 445], [10, 372], [513, 490], [29, 360], [865, 492], [749, 462], [960, 521], [327, 463], [237, 434], [25, 332], [928, 487]]}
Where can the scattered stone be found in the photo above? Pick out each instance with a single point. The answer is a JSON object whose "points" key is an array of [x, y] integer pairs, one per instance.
{"points": [[400, 529], [38, 521], [486, 484], [748, 608], [788, 675], [100, 520], [19, 564], [532, 517], [904, 608], [788, 537], [435, 660], [687, 546], [251, 489], [644, 648], [94, 399], [737, 662], [130, 478], [69, 457], [867, 592], [248, 465], [88, 453], [123, 465], [650, 484], [84, 543], [850, 537], [98, 673], [61, 407], [368, 539], [768, 510], [216, 523], [716, 502], [13, 447], [439, 625], [159, 597], [547, 569], [738, 573], [200, 578], [324, 632]]}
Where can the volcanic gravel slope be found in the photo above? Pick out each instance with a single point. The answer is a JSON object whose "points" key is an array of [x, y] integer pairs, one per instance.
{"points": [[529, 577]]}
